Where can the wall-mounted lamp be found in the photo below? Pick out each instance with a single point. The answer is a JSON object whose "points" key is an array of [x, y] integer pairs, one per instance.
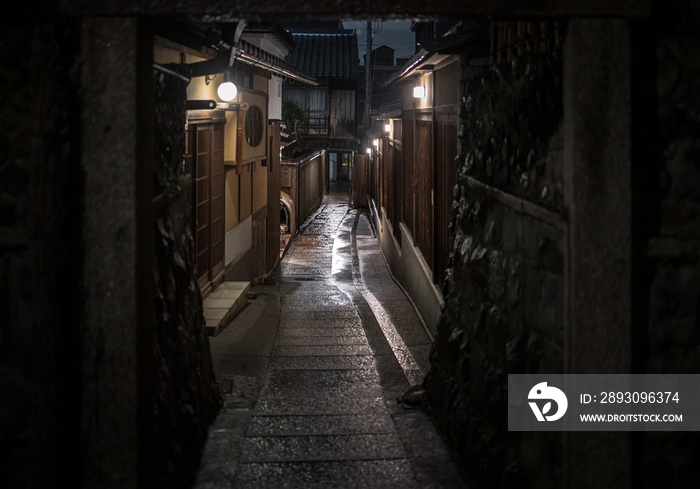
{"points": [[227, 91], [369, 151], [375, 143], [387, 127], [418, 92]]}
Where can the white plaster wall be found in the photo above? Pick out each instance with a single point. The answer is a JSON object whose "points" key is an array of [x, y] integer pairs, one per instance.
{"points": [[274, 90], [411, 270], [238, 240]]}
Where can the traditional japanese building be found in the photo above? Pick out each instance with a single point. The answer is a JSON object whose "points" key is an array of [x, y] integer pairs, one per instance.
{"points": [[233, 141], [331, 57]]}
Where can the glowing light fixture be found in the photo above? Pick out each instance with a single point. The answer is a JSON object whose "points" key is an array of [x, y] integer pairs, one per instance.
{"points": [[375, 142], [227, 91], [387, 127], [369, 151], [418, 92]]}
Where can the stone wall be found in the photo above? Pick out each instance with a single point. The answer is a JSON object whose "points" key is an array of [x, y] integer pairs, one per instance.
{"points": [[187, 398], [674, 251], [675, 293], [504, 290]]}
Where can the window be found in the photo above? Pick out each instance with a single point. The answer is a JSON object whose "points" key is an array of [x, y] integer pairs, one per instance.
{"points": [[245, 78], [313, 101], [253, 126]]}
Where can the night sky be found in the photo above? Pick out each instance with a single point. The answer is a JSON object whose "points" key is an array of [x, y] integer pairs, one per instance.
{"points": [[394, 33]]}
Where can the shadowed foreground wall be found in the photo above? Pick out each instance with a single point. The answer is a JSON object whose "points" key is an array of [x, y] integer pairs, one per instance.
{"points": [[673, 252], [42, 326], [41, 186], [187, 398], [504, 300], [505, 291]]}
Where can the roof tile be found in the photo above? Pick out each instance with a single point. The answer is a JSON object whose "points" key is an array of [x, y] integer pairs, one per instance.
{"points": [[327, 55]]}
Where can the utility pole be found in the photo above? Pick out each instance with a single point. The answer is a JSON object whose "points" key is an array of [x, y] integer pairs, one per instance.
{"points": [[368, 66]]}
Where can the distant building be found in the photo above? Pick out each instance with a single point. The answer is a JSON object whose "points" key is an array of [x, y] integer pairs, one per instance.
{"points": [[382, 66], [381, 56], [329, 55], [427, 30]]}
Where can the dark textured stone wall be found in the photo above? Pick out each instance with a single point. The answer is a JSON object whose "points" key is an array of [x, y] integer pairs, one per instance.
{"points": [[504, 293], [187, 398], [504, 290], [674, 296], [509, 117], [674, 317], [40, 253]]}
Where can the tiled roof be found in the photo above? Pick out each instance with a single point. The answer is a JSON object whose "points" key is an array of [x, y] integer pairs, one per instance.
{"points": [[327, 55]]}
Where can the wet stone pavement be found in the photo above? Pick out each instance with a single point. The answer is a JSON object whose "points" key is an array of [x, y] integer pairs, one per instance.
{"points": [[314, 370]]}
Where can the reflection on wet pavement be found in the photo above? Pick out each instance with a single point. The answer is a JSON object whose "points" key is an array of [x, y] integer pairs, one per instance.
{"points": [[414, 374], [322, 418]]}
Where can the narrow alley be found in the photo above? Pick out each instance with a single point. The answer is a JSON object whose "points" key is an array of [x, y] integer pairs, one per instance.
{"points": [[319, 369], [191, 295]]}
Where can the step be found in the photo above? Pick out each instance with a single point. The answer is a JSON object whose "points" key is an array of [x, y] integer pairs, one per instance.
{"points": [[223, 304]]}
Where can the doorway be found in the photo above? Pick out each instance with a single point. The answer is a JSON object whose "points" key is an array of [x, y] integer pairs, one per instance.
{"points": [[204, 160], [340, 166]]}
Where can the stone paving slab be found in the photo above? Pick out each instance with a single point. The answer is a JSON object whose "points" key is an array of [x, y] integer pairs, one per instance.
{"points": [[320, 425], [313, 240], [419, 437], [346, 313], [313, 323], [379, 474], [321, 340], [321, 447], [314, 332], [402, 312], [424, 449], [328, 362], [316, 350], [308, 263], [320, 405], [306, 292], [309, 299], [310, 251], [343, 309], [343, 384], [294, 285], [305, 270]]}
